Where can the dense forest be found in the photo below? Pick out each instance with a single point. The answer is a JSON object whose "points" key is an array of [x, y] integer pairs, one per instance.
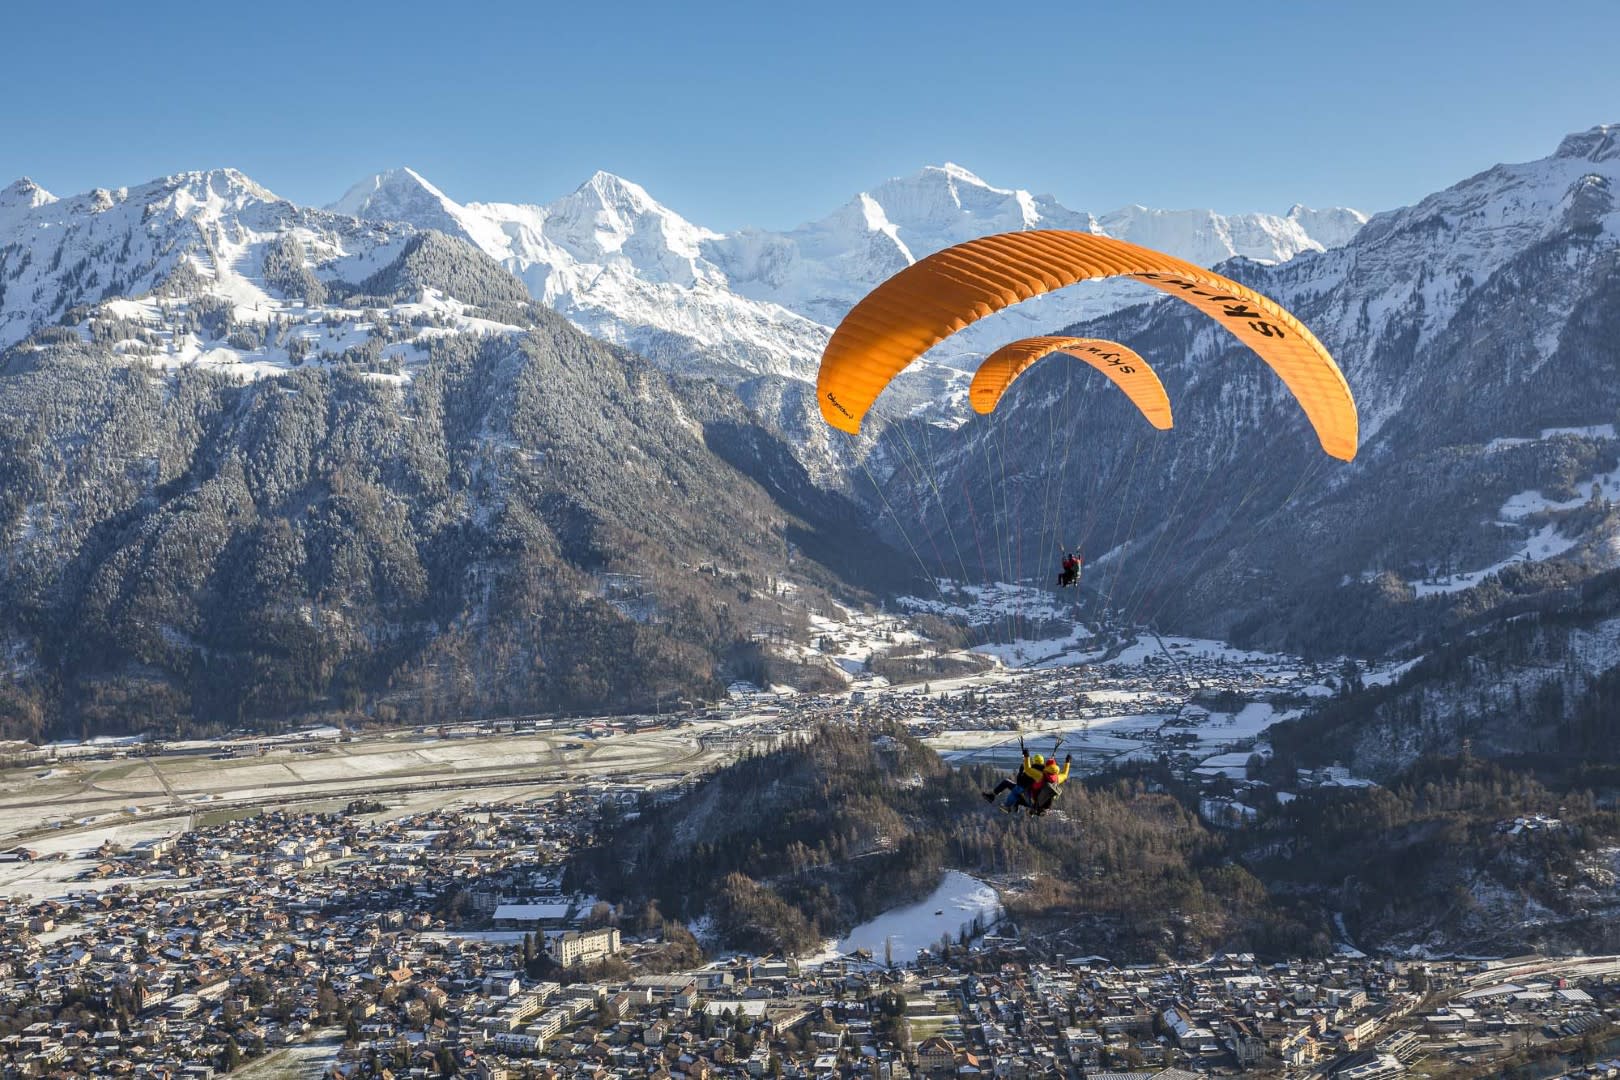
{"points": [[790, 847]]}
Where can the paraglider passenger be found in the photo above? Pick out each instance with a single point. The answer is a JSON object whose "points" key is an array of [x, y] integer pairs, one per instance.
{"points": [[1020, 788], [1071, 571], [1051, 779]]}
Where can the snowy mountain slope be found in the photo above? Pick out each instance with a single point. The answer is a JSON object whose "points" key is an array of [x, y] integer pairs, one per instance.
{"points": [[754, 302], [1205, 237], [1412, 272], [617, 264], [204, 252], [821, 268]]}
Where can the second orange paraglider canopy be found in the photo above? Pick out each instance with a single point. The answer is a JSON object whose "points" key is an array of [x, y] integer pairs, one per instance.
{"points": [[932, 299], [1122, 365]]}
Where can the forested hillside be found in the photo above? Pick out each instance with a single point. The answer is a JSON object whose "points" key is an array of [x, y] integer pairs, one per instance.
{"points": [[448, 503], [786, 849]]}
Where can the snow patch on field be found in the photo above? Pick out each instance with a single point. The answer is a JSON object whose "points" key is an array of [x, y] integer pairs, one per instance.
{"points": [[50, 877], [980, 605], [1198, 648], [1548, 542], [1592, 431], [1042, 652], [1389, 675], [904, 931]]}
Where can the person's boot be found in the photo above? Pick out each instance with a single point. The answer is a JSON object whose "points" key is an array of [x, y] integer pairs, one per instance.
{"points": [[988, 796]]}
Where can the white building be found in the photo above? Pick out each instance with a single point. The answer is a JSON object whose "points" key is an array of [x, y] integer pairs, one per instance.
{"points": [[583, 947]]}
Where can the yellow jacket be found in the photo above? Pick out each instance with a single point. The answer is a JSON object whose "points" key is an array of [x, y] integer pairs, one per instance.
{"points": [[1030, 773]]}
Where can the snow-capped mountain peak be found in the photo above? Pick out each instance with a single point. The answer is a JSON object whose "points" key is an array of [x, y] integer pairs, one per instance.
{"points": [[945, 204], [625, 196], [403, 186], [1205, 237], [1332, 227], [181, 237], [1601, 143], [401, 194], [204, 194], [956, 172], [609, 214], [623, 266], [24, 193]]}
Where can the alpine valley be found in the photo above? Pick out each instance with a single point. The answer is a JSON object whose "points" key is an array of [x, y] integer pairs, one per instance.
{"points": [[413, 458]]}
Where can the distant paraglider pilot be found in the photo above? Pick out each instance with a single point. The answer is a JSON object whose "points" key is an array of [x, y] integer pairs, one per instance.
{"points": [[1071, 571]]}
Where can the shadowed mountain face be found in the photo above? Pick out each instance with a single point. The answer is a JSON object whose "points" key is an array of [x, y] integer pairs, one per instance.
{"points": [[361, 471]]}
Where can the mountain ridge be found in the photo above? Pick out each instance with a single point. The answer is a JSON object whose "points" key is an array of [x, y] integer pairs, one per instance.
{"points": [[608, 255]]}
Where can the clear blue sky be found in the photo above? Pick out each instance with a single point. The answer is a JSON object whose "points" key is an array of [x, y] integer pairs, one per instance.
{"points": [[774, 113]]}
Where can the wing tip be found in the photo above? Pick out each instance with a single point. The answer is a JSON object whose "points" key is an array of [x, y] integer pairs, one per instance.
{"points": [[1344, 450]]}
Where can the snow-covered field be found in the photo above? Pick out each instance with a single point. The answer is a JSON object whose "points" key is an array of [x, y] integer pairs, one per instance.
{"points": [[849, 640], [903, 931], [1593, 431], [1139, 704], [153, 793], [1071, 648], [308, 1060], [48, 877], [1097, 740], [1548, 541]]}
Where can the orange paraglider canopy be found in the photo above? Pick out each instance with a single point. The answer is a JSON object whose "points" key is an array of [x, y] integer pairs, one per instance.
{"points": [[1128, 371], [932, 299]]}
